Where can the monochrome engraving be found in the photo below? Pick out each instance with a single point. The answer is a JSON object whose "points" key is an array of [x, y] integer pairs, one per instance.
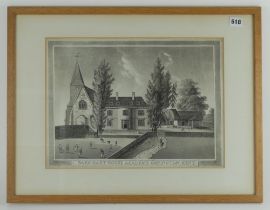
{"points": [[132, 103]]}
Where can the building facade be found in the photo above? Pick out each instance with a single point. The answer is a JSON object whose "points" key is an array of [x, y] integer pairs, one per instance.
{"points": [[126, 113], [123, 113]]}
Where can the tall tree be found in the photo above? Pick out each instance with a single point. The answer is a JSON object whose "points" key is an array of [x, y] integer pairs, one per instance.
{"points": [[191, 99], [173, 95], [158, 94], [102, 82], [167, 85]]}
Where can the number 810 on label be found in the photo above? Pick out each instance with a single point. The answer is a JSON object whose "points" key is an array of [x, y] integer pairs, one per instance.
{"points": [[236, 21]]}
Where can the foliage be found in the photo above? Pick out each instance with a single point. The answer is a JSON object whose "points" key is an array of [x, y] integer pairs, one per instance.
{"points": [[173, 95], [191, 99], [167, 85], [159, 94], [102, 82]]}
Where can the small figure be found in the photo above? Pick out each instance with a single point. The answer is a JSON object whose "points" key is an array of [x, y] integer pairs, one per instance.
{"points": [[75, 148], [161, 142], [60, 148], [101, 153], [116, 143], [80, 151], [67, 148]]}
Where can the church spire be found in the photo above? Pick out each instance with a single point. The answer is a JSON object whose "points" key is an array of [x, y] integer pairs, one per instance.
{"points": [[77, 78], [76, 83]]}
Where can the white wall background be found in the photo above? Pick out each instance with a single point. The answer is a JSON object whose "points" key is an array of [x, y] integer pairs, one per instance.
{"points": [[266, 100]]}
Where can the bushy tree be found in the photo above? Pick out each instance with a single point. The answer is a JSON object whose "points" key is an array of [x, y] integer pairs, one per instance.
{"points": [[190, 98], [102, 82]]}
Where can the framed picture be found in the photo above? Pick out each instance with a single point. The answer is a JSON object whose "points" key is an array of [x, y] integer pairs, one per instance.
{"points": [[137, 104]]}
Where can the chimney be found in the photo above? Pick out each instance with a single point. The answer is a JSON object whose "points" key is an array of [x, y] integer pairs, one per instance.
{"points": [[133, 96], [116, 96]]}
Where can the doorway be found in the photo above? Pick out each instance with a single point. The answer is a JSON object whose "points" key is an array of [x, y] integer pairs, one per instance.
{"points": [[125, 124]]}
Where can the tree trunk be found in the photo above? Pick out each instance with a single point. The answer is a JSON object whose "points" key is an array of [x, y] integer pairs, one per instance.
{"points": [[97, 134], [154, 128], [100, 129]]}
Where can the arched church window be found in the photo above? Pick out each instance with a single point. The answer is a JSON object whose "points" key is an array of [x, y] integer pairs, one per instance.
{"points": [[82, 105]]}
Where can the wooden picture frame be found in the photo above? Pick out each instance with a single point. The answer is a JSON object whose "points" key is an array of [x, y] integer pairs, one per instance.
{"points": [[14, 197]]}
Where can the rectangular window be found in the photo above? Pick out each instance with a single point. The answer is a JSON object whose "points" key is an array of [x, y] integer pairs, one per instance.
{"points": [[141, 112], [109, 122], [125, 112], [141, 122], [109, 112]]}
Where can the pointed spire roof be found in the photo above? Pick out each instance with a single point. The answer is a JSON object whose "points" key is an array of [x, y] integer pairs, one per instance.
{"points": [[77, 78]]}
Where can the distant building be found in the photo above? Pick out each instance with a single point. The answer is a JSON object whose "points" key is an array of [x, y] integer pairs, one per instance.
{"points": [[123, 113], [171, 117], [175, 118], [190, 118]]}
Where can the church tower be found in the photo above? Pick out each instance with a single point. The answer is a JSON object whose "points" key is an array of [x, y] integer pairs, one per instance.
{"points": [[76, 86], [76, 83]]}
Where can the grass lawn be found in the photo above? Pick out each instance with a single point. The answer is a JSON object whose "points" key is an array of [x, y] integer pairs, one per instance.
{"points": [[187, 148], [173, 148], [89, 147]]}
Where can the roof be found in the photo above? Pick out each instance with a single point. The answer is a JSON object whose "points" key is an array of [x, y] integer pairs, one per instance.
{"points": [[126, 102], [90, 92], [77, 78], [190, 115], [171, 114], [121, 102]]}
